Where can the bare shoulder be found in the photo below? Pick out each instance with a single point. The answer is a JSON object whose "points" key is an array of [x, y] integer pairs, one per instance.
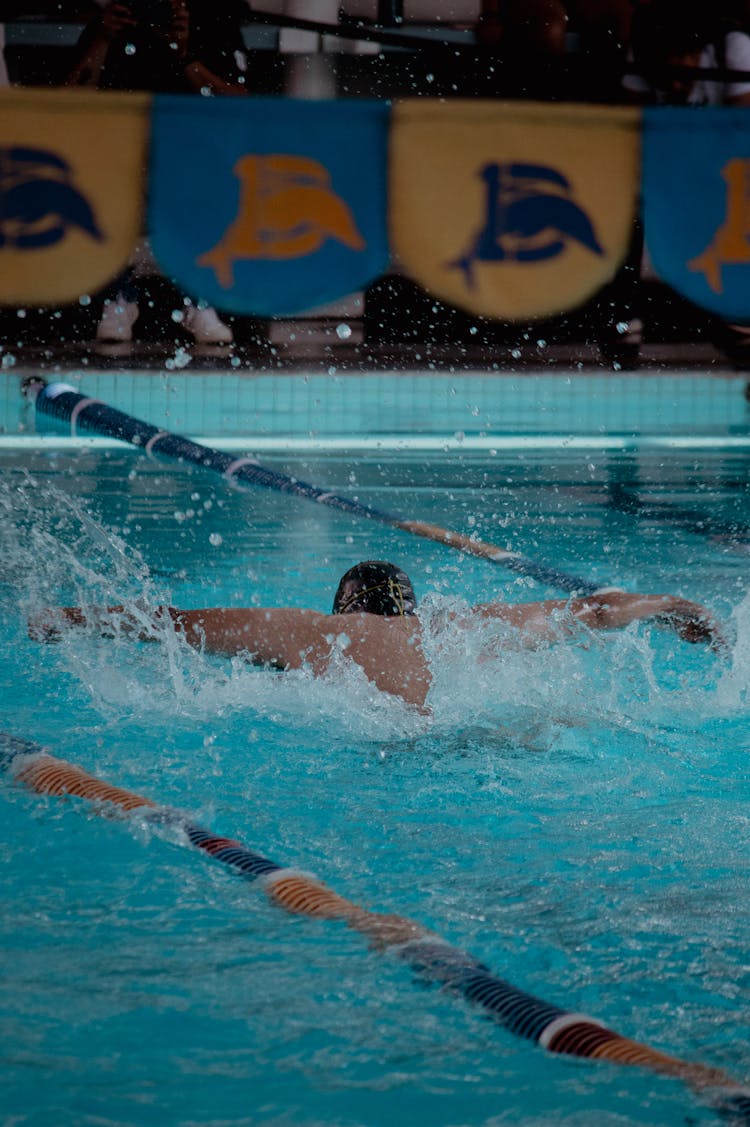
{"points": [[388, 649], [284, 635], [370, 630]]}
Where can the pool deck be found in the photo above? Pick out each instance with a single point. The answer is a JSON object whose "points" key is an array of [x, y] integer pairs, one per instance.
{"points": [[311, 349]]}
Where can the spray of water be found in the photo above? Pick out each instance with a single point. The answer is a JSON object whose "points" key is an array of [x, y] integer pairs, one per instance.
{"points": [[57, 553]]}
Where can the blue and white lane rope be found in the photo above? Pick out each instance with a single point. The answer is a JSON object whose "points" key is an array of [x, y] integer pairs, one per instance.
{"points": [[553, 1028], [62, 402]]}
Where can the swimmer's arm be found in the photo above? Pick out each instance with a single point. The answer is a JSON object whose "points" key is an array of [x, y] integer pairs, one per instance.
{"points": [[546, 621], [281, 636], [285, 637], [690, 621]]}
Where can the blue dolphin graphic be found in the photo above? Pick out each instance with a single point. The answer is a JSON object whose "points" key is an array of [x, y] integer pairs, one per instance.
{"points": [[33, 201], [518, 208], [531, 216]]}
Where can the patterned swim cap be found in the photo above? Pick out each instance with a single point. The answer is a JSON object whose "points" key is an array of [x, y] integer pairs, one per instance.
{"points": [[377, 587]]}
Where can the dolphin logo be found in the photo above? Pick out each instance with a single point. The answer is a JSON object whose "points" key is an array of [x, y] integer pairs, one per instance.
{"points": [[731, 243], [38, 201], [529, 217], [287, 209]]}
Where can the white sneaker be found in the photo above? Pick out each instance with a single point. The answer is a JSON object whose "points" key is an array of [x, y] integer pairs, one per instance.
{"points": [[118, 318], [205, 327]]}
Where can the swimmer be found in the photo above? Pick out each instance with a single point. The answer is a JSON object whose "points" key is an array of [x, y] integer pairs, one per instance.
{"points": [[374, 621]]}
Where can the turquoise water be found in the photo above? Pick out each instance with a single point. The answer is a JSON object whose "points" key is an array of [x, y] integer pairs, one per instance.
{"points": [[575, 817]]}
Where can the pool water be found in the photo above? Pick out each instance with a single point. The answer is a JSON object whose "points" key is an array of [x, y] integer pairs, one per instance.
{"points": [[576, 817]]}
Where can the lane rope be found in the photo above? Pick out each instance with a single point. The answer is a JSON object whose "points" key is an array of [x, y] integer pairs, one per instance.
{"points": [[62, 402], [553, 1028]]}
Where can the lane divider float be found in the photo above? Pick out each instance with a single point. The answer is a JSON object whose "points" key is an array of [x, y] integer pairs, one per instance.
{"points": [[62, 402], [551, 1027]]}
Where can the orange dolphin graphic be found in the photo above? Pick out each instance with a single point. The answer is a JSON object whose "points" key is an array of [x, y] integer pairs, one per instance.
{"points": [[731, 243], [287, 210]]}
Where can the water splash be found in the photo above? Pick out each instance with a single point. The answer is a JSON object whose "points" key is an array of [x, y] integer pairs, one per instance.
{"points": [[640, 679], [733, 690]]}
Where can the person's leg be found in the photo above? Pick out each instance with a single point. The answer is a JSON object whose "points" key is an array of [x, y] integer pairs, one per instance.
{"points": [[120, 308], [204, 324], [200, 319], [123, 296]]}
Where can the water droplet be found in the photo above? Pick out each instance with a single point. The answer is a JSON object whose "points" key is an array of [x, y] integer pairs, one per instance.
{"points": [[181, 358], [130, 48], [343, 332], [215, 539]]}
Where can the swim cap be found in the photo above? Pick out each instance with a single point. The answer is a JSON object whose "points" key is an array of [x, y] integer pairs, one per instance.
{"points": [[376, 587]]}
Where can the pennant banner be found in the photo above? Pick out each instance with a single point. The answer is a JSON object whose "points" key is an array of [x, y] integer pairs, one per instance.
{"points": [[71, 191], [269, 206], [696, 204], [514, 210]]}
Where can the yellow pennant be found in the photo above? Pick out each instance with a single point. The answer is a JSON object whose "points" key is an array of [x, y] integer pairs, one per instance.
{"points": [[72, 165], [512, 210]]}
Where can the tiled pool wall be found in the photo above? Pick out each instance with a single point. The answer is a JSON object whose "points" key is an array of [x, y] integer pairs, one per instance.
{"points": [[350, 406]]}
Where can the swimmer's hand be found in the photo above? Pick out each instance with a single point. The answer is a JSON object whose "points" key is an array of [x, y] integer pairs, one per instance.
{"points": [[48, 625], [691, 622]]}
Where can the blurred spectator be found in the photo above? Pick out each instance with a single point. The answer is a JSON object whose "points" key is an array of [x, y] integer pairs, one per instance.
{"points": [[166, 46], [598, 41], [601, 24], [4, 80], [169, 46], [523, 28], [524, 42], [668, 34]]}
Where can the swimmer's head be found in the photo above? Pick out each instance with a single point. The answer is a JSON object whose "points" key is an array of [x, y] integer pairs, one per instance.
{"points": [[376, 587]]}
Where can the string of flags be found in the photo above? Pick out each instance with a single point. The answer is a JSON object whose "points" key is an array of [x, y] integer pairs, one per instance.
{"points": [[272, 206]]}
